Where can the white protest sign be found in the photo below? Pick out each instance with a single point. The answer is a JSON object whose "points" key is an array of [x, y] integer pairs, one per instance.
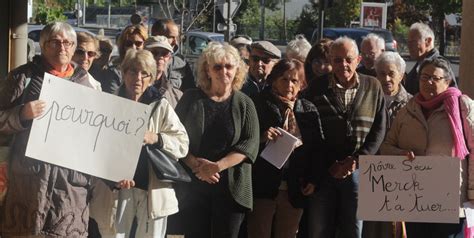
{"points": [[89, 131], [393, 188]]}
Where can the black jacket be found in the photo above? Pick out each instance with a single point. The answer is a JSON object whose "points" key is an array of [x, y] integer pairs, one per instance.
{"points": [[266, 178]]}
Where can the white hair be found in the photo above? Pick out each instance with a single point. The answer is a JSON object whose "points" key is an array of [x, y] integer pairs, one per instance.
{"points": [[424, 30], [56, 28], [379, 41], [342, 40], [298, 48], [388, 57]]}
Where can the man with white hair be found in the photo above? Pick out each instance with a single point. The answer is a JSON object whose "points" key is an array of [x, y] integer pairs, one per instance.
{"points": [[353, 122], [372, 46], [421, 47]]}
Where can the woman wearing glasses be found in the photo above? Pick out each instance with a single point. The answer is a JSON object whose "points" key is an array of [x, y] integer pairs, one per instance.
{"points": [[152, 200], [86, 53], [223, 131], [432, 124], [132, 37], [43, 199]]}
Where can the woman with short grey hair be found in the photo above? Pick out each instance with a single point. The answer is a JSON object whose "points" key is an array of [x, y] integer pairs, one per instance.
{"points": [[298, 48], [43, 200], [390, 68]]}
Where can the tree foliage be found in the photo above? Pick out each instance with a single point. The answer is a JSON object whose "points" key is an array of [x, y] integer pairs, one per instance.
{"points": [[48, 12], [308, 20], [342, 12]]}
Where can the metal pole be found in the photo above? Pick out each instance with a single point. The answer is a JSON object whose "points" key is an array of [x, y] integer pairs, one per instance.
{"points": [[108, 14], [229, 21], [284, 21], [262, 19], [84, 13], [321, 18], [214, 17]]}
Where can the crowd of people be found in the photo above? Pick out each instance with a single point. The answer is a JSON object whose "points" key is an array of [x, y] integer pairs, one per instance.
{"points": [[339, 100]]}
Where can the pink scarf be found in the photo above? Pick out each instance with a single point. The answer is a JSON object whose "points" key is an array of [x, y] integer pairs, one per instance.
{"points": [[450, 98]]}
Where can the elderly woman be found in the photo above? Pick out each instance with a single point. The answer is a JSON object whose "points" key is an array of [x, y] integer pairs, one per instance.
{"points": [[155, 199], [279, 194], [85, 54], [390, 68], [43, 198], [132, 37], [431, 124], [223, 130]]}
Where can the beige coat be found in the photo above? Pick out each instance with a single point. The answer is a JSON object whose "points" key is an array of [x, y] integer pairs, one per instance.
{"points": [[161, 196], [410, 131]]}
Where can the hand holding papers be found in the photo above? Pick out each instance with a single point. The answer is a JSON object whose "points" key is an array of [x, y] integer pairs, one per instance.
{"points": [[277, 151]]}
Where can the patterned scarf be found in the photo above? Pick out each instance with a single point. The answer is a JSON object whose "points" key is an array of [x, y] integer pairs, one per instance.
{"points": [[450, 99], [286, 108]]}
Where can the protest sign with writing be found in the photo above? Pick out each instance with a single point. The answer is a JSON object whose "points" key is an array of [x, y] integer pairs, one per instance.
{"points": [[393, 188], [89, 131]]}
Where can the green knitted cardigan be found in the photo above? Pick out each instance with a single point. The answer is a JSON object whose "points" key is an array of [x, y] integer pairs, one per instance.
{"points": [[190, 110]]}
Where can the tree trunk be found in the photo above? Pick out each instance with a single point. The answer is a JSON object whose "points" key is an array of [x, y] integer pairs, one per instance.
{"points": [[441, 33]]}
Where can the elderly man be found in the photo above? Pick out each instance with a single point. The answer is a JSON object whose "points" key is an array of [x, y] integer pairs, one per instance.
{"points": [[353, 122], [86, 53], [263, 56], [178, 73], [421, 47], [43, 200], [371, 47]]}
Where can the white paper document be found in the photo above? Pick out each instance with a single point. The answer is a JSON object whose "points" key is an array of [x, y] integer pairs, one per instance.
{"points": [[469, 211], [277, 152], [89, 131]]}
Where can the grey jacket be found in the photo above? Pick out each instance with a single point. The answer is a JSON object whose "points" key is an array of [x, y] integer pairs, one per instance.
{"points": [[42, 199]]}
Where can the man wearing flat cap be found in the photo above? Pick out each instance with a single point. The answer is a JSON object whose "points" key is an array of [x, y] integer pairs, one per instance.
{"points": [[263, 56]]}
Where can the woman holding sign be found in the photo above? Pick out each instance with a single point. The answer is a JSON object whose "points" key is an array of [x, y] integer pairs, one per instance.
{"points": [[154, 200], [436, 121], [279, 193], [223, 130], [43, 199]]}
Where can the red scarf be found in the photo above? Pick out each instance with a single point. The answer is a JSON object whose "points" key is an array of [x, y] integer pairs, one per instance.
{"points": [[450, 99], [65, 74]]}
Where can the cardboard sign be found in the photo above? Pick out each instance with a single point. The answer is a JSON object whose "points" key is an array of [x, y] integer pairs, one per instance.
{"points": [[89, 131], [393, 188]]}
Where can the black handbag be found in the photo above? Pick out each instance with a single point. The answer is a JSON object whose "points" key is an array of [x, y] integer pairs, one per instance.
{"points": [[166, 168]]}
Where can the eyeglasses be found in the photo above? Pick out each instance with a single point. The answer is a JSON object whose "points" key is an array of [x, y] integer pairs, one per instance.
{"points": [[161, 53], [219, 67], [427, 77], [90, 54], [136, 43], [265, 60], [56, 43], [339, 60], [142, 74]]}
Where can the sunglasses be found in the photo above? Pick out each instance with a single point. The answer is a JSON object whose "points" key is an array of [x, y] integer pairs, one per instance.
{"points": [[219, 67], [90, 54], [265, 60], [136, 43], [161, 53]]}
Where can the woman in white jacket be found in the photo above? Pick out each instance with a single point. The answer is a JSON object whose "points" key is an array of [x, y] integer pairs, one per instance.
{"points": [[432, 124], [156, 200]]}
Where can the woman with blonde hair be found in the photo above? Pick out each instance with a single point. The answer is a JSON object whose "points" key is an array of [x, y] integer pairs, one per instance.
{"points": [[223, 131]]}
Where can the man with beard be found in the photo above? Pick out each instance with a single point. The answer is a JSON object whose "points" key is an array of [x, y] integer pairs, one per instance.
{"points": [[263, 56]]}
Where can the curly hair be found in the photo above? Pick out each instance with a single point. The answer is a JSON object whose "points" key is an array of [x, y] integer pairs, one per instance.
{"points": [[214, 53]]}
